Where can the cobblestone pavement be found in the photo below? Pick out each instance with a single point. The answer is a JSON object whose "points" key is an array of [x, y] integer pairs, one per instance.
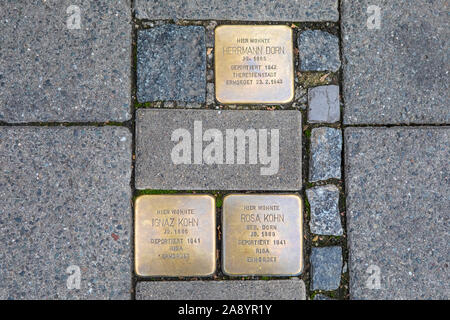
{"points": [[94, 93]]}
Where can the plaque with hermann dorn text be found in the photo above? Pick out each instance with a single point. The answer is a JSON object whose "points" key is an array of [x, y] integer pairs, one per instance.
{"points": [[262, 235], [254, 64], [175, 235]]}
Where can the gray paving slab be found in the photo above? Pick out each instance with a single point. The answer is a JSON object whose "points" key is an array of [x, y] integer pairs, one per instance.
{"points": [[291, 289], [326, 266], [171, 64], [318, 51], [397, 74], [398, 204], [197, 150], [249, 10], [325, 154], [65, 210], [51, 72]]}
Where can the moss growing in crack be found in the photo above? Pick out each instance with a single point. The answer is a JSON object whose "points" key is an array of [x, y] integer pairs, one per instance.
{"points": [[138, 105], [307, 206], [314, 79], [308, 133], [146, 192]]}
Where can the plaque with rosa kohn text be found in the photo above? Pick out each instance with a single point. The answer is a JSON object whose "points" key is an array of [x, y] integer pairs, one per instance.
{"points": [[175, 235], [254, 64], [262, 235]]}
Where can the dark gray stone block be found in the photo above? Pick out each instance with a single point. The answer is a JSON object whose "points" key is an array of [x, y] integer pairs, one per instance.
{"points": [[325, 158], [319, 51], [397, 74], [51, 73], [250, 10], [162, 164], [65, 201], [398, 204], [171, 64], [326, 266], [325, 217], [292, 289]]}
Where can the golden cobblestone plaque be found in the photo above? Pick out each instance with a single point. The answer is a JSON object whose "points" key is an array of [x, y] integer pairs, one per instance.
{"points": [[175, 235], [262, 235], [254, 64]]}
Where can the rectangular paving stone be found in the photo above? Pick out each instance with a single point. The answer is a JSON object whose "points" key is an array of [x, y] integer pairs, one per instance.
{"points": [[325, 215], [323, 104], [65, 210], [171, 64], [292, 289], [326, 268], [262, 234], [175, 235], [397, 74], [250, 10], [218, 150], [325, 158], [398, 204], [51, 71]]}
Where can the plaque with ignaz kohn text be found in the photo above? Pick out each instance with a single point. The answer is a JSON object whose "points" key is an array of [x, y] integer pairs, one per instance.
{"points": [[175, 235], [254, 64], [262, 235]]}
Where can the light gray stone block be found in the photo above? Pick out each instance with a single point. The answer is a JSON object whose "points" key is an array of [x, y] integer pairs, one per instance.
{"points": [[162, 164], [65, 201], [292, 289], [398, 204], [323, 104], [51, 73], [325, 217], [325, 158], [319, 51]]}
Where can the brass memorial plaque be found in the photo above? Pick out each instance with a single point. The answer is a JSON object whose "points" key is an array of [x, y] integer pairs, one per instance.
{"points": [[175, 235], [262, 235], [254, 64]]}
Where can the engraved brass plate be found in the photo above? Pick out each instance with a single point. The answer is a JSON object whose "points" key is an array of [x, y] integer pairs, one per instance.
{"points": [[254, 64], [262, 235], [175, 235]]}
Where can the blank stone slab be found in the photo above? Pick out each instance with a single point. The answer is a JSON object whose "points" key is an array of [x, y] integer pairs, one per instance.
{"points": [[325, 158], [171, 64], [292, 289], [323, 102], [398, 204], [318, 51], [249, 10], [326, 267], [325, 217], [65, 201], [184, 162], [399, 72], [49, 72]]}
